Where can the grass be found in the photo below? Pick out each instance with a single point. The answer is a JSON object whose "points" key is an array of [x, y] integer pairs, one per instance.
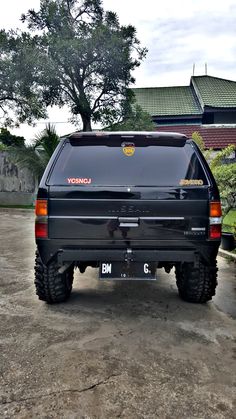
{"points": [[18, 206]]}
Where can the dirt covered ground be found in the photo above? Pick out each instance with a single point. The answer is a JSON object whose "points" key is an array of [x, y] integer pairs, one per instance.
{"points": [[114, 350]]}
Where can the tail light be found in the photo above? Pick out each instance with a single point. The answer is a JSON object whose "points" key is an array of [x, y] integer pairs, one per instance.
{"points": [[215, 209], [41, 230], [41, 222], [215, 231], [41, 208], [215, 220]]}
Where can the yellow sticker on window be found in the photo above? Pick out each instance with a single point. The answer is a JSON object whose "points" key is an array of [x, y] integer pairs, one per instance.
{"points": [[128, 149], [191, 182]]}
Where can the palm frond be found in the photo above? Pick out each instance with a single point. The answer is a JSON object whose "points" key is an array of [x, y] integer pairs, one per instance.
{"points": [[47, 140], [36, 157]]}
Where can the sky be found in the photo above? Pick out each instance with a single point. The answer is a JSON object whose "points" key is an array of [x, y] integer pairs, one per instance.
{"points": [[177, 34]]}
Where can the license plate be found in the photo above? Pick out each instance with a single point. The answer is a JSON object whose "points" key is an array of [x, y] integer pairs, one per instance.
{"points": [[128, 270]]}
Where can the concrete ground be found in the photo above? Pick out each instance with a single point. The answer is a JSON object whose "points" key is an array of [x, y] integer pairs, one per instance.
{"points": [[114, 350]]}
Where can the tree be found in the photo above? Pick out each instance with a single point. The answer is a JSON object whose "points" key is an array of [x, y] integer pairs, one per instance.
{"points": [[36, 156], [7, 139], [20, 97], [225, 175], [84, 58], [136, 119]]}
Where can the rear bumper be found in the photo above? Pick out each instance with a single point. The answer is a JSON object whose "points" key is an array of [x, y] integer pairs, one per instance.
{"points": [[139, 251], [134, 255]]}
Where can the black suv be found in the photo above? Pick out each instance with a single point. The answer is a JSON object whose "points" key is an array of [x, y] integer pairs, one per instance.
{"points": [[128, 203]]}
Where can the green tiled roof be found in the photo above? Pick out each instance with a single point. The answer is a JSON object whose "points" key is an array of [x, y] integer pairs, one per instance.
{"points": [[164, 101], [215, 92]]}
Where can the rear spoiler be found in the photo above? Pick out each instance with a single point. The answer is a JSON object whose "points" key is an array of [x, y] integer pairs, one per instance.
{"points": [[113, 139]]}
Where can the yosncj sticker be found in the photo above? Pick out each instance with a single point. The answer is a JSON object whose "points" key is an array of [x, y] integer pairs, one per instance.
{"points": [[79, 181], [128, 149]]}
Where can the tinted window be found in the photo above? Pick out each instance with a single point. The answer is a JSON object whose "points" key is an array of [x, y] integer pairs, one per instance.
{"points": [[127, 163]]}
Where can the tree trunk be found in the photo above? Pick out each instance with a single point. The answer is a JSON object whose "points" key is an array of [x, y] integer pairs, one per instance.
{"points": [[86, 122]]}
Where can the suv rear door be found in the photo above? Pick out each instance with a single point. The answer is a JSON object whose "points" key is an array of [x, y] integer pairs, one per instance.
{"points": [[128, 187]]}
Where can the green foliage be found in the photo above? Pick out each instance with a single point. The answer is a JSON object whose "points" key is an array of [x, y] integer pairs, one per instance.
{"points": [[36, 156], [3, 147], [230, 218], [7, 139], [47, 140], [208, 154], [225, 176], [197, 138], [74, 54], [223, 154], [229, 222], [135, 120], [20, 98]]}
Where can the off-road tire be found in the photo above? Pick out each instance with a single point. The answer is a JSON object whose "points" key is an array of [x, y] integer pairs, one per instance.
{"points": [[51, 286], [196, 285]]}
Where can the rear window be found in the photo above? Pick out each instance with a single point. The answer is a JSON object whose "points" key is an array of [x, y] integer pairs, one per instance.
{"points": [[124, 162]]}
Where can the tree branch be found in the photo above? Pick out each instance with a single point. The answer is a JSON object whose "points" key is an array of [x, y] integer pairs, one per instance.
{"points": [[96, 102]]}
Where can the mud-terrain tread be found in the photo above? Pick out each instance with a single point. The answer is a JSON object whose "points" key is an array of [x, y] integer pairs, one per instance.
{"points": [[51, 286], [197, 285]]}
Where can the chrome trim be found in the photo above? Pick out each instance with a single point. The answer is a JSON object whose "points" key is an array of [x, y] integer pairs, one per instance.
{"points": [[108, 217], [161, 218], [85, 217], [129, 225]]}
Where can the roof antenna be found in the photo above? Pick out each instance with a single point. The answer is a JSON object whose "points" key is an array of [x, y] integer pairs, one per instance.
{"points": [[193, 68], [205, 69]]}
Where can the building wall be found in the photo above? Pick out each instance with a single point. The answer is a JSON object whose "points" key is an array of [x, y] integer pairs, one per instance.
{"points": [[225, 117], [17, 186]]}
